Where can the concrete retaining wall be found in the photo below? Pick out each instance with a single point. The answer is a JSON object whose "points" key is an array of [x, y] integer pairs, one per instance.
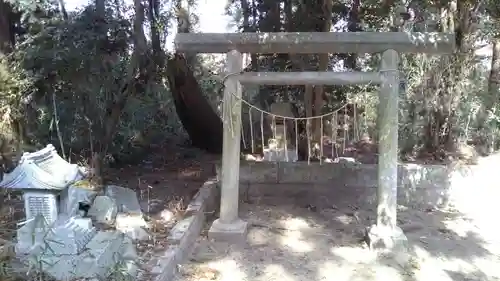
{"points": [[348, 183]]}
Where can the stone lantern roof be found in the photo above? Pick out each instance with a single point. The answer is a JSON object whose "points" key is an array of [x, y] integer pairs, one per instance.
{"points": [[42, 170]]}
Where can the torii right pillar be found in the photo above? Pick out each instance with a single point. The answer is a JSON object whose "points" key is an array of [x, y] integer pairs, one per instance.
{"points": [[385, 234]]}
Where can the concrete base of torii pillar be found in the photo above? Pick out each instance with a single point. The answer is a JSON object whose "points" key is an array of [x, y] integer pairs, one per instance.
{"points": [[385, 238], [234, 232]]}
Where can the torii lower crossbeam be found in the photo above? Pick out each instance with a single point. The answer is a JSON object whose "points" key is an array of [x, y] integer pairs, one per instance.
{"points": [[309, 78]]}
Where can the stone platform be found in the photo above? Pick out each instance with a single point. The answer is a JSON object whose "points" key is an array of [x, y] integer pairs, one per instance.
{"points": [[429, 185]]}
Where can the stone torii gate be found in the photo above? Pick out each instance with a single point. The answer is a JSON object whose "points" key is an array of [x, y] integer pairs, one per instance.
{"points": [[385, 233]]}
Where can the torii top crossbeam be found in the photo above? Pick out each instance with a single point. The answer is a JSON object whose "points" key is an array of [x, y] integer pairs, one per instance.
{"points": [[316, 42]]}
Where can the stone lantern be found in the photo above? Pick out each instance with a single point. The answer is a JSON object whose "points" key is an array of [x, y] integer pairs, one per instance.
{"points": [[41, 176]]}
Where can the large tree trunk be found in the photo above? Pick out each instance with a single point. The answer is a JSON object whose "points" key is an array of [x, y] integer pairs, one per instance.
{"points": [[153, 15], [200, 121], [7, 25], [353, 26], [62, 6], [324, 60], [7, 43], [198, 118]]}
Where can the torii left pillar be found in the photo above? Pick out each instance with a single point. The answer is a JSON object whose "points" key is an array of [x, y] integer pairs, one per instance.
{"points": [[229, 227]]}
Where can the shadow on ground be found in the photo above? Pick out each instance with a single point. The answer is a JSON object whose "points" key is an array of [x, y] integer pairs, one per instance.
{"points": [[167, 180], [291, 240]]}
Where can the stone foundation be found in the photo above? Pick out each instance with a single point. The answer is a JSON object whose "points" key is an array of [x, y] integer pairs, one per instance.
{"points": [[349, 183]]}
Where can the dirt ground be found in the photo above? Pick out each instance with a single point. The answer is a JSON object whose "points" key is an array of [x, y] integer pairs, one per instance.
{"points": [[167, 180], [288, 243]]}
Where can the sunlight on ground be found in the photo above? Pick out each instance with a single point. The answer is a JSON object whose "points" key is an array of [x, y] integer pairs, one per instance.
{"points": [[295, 241], [287, 243], [230, 270], [344, 219], [293, 237], [488, 267], [354, 255], [295, 224], [276, 270], [331, 268]]}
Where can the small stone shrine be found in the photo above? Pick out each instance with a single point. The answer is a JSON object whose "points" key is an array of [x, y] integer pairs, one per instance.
{"points": [[62, 234], [280, 147]]}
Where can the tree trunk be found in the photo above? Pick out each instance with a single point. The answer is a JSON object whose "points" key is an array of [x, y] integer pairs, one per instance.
{"points": [[100, 8], [494, 78], [136, 74], [198, 118], [153, 15], [247, 13], [493, 91], [254, 57], [275, 15], [62, 6], [353, 26], [324, 60], [7, 34], [184, 26]]}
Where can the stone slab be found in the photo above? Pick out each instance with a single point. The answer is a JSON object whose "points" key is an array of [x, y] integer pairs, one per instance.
{"points": [[132, 225], [103, 209], [126, 199]]}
